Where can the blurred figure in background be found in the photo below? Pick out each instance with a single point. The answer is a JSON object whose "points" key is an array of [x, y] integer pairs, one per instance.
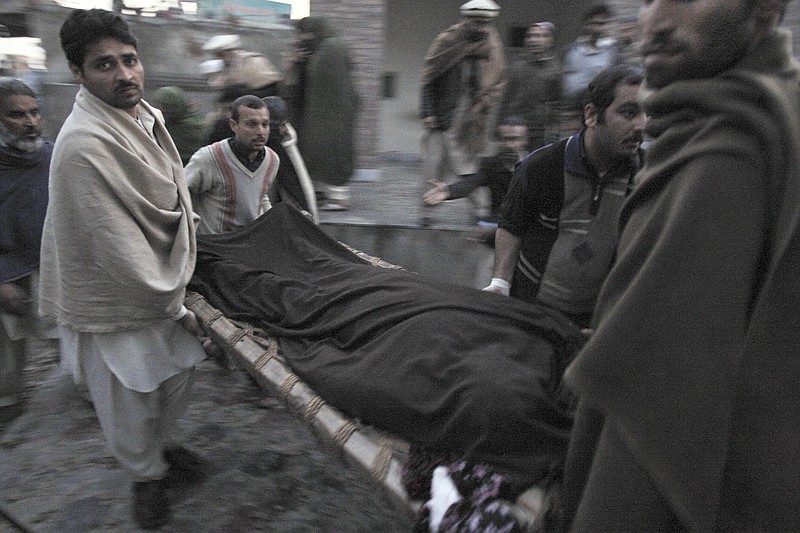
{"points": [[242, 67], [24, 172], [590, 53], [627, 41], [218, 122], [183, 123], [461, 83], [292, 183], [533, 91], [322, 95]]}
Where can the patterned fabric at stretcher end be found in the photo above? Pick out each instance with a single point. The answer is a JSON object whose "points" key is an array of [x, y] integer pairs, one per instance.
{"points": [[442, 366]]}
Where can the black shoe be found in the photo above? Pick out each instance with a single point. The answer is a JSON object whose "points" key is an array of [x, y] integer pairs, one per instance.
{"points": [[150, 504], [185, 466]]}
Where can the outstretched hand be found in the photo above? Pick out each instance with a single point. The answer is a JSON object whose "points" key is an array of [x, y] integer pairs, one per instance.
{"points": [[438, 193]]}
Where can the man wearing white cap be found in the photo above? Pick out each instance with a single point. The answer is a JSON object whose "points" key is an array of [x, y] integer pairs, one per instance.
{"points": [[463, 77], [241, 67]]}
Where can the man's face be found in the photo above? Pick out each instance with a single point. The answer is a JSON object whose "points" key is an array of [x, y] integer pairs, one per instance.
{"points": [[252, 128], [620, 131], [477, 28], [20, 123], [538, 40], [112, 72], [691, 40], [511, 142]]}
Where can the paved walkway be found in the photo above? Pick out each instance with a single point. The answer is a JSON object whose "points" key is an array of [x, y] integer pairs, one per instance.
{"points": [[392, 196]]}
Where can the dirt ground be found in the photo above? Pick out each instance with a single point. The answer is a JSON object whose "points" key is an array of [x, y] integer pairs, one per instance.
{"points": [[267, 471]]}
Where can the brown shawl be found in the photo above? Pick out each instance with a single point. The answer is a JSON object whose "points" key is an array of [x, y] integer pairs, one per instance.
{"points": [[450, 48], [696, 354]]}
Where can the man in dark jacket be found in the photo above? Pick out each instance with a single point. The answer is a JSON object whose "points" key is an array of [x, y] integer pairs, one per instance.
{"points": [[558, 225], [24, 171]]}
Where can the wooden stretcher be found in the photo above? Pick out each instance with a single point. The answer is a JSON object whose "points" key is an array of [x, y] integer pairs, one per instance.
{"points": [[373, 452]]}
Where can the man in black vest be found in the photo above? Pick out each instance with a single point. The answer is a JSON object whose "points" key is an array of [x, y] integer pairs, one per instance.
{"points": [[558, 226]]}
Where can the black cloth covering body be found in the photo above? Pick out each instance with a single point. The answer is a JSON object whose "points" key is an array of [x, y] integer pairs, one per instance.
{"points": [[446, 367]]}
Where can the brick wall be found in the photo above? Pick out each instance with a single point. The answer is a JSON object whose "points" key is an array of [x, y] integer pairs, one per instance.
{"points": [[361, 25]]}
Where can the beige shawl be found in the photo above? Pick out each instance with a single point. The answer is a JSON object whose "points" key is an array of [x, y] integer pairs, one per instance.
{"points": [[118, 246]]}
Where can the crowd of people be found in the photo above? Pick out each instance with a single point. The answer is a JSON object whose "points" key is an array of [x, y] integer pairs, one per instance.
{"points": [[677, 262]]}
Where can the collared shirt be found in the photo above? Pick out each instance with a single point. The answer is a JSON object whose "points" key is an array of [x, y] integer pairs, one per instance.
{"points": [[242, 153]]}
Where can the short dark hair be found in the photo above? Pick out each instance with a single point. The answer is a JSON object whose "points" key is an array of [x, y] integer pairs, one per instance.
{"points": [[248, 100], [85, 27], [597, 10], [278, 110], [603, 87], [14, 87]]}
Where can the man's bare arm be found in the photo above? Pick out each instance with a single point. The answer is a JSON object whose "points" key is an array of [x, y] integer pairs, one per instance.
{"points": [[506, 253]]}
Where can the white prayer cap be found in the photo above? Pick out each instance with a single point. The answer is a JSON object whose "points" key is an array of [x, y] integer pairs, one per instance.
{"points": [[480, 8], [220, 43]]}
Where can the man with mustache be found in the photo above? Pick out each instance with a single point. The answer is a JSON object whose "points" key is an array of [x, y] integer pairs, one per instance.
{"points": [[229, 179], [118, 249], [557, 231], [689, 383], [24, 171]]}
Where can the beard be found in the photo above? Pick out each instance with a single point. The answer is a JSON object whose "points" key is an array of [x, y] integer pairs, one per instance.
{"points": [[20, 142]]}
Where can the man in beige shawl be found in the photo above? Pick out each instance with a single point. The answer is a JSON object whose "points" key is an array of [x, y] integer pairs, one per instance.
{"points": [[461, 83], [118, 249], [690, 382]]}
